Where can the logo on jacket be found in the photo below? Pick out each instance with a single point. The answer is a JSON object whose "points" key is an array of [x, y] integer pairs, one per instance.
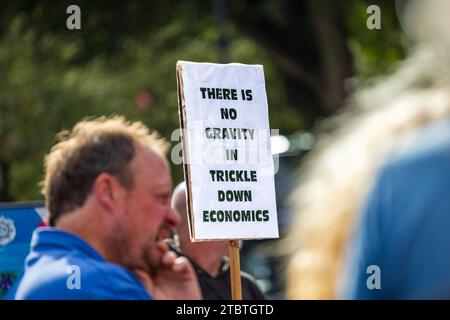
{"points": [[7, 231]]}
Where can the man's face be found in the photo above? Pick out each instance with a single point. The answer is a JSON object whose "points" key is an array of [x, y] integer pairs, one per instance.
{"points": [[147, 214]]}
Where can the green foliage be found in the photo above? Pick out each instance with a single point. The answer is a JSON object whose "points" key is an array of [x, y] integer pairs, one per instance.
{"points": [[123, 62], [374, 52], [51, 80]]}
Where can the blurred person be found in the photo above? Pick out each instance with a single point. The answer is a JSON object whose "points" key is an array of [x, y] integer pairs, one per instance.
{"points": [[107, 187], [339, 172], [403, 239], [209, 258]]}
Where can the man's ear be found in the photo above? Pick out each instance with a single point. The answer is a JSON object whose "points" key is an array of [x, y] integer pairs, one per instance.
{"points": [[107, 191]]}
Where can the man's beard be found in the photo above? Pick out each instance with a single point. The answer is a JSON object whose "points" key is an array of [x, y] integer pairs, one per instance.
{"points": [[120, 245], [149, 256], [152, 263]]}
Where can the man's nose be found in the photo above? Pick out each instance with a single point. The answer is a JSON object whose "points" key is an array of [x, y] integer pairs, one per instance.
{"points": [[173, 219]]}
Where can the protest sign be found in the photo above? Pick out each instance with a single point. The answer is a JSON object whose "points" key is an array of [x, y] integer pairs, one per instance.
{"points": [[227, 156]]}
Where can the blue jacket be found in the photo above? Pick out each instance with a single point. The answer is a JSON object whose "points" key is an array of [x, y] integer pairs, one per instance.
{"points": [[405, 227], [62, 266]]}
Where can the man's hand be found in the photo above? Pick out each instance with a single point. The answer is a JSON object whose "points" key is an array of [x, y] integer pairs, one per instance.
{"points": [[175, 279]]}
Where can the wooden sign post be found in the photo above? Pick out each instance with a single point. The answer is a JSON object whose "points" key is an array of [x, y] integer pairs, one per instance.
{"points": [[227, 156], [235, 270]]}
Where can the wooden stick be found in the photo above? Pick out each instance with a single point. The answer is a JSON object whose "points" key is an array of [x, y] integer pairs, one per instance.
{"points": [[235, 270]]}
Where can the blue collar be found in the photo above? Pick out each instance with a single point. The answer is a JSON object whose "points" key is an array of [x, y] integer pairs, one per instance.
{"points": [[56, 238]]}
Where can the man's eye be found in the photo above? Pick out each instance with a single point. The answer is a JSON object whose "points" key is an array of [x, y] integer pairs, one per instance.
{"points": [[164, 198]]}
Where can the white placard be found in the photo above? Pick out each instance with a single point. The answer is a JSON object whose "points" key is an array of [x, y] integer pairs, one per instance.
{"points": [[226, 149]]}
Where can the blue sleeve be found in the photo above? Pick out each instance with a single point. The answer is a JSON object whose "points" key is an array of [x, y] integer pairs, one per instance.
{"points": [[96, 283], [125, 286]]}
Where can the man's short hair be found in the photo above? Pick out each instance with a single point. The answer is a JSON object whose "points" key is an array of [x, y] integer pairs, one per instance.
{"points": [[94, 146]]}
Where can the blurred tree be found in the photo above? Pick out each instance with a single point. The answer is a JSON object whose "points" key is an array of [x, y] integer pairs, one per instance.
{"points": [[307, 43], [123, 61], [311, 43], [51, 77]]}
